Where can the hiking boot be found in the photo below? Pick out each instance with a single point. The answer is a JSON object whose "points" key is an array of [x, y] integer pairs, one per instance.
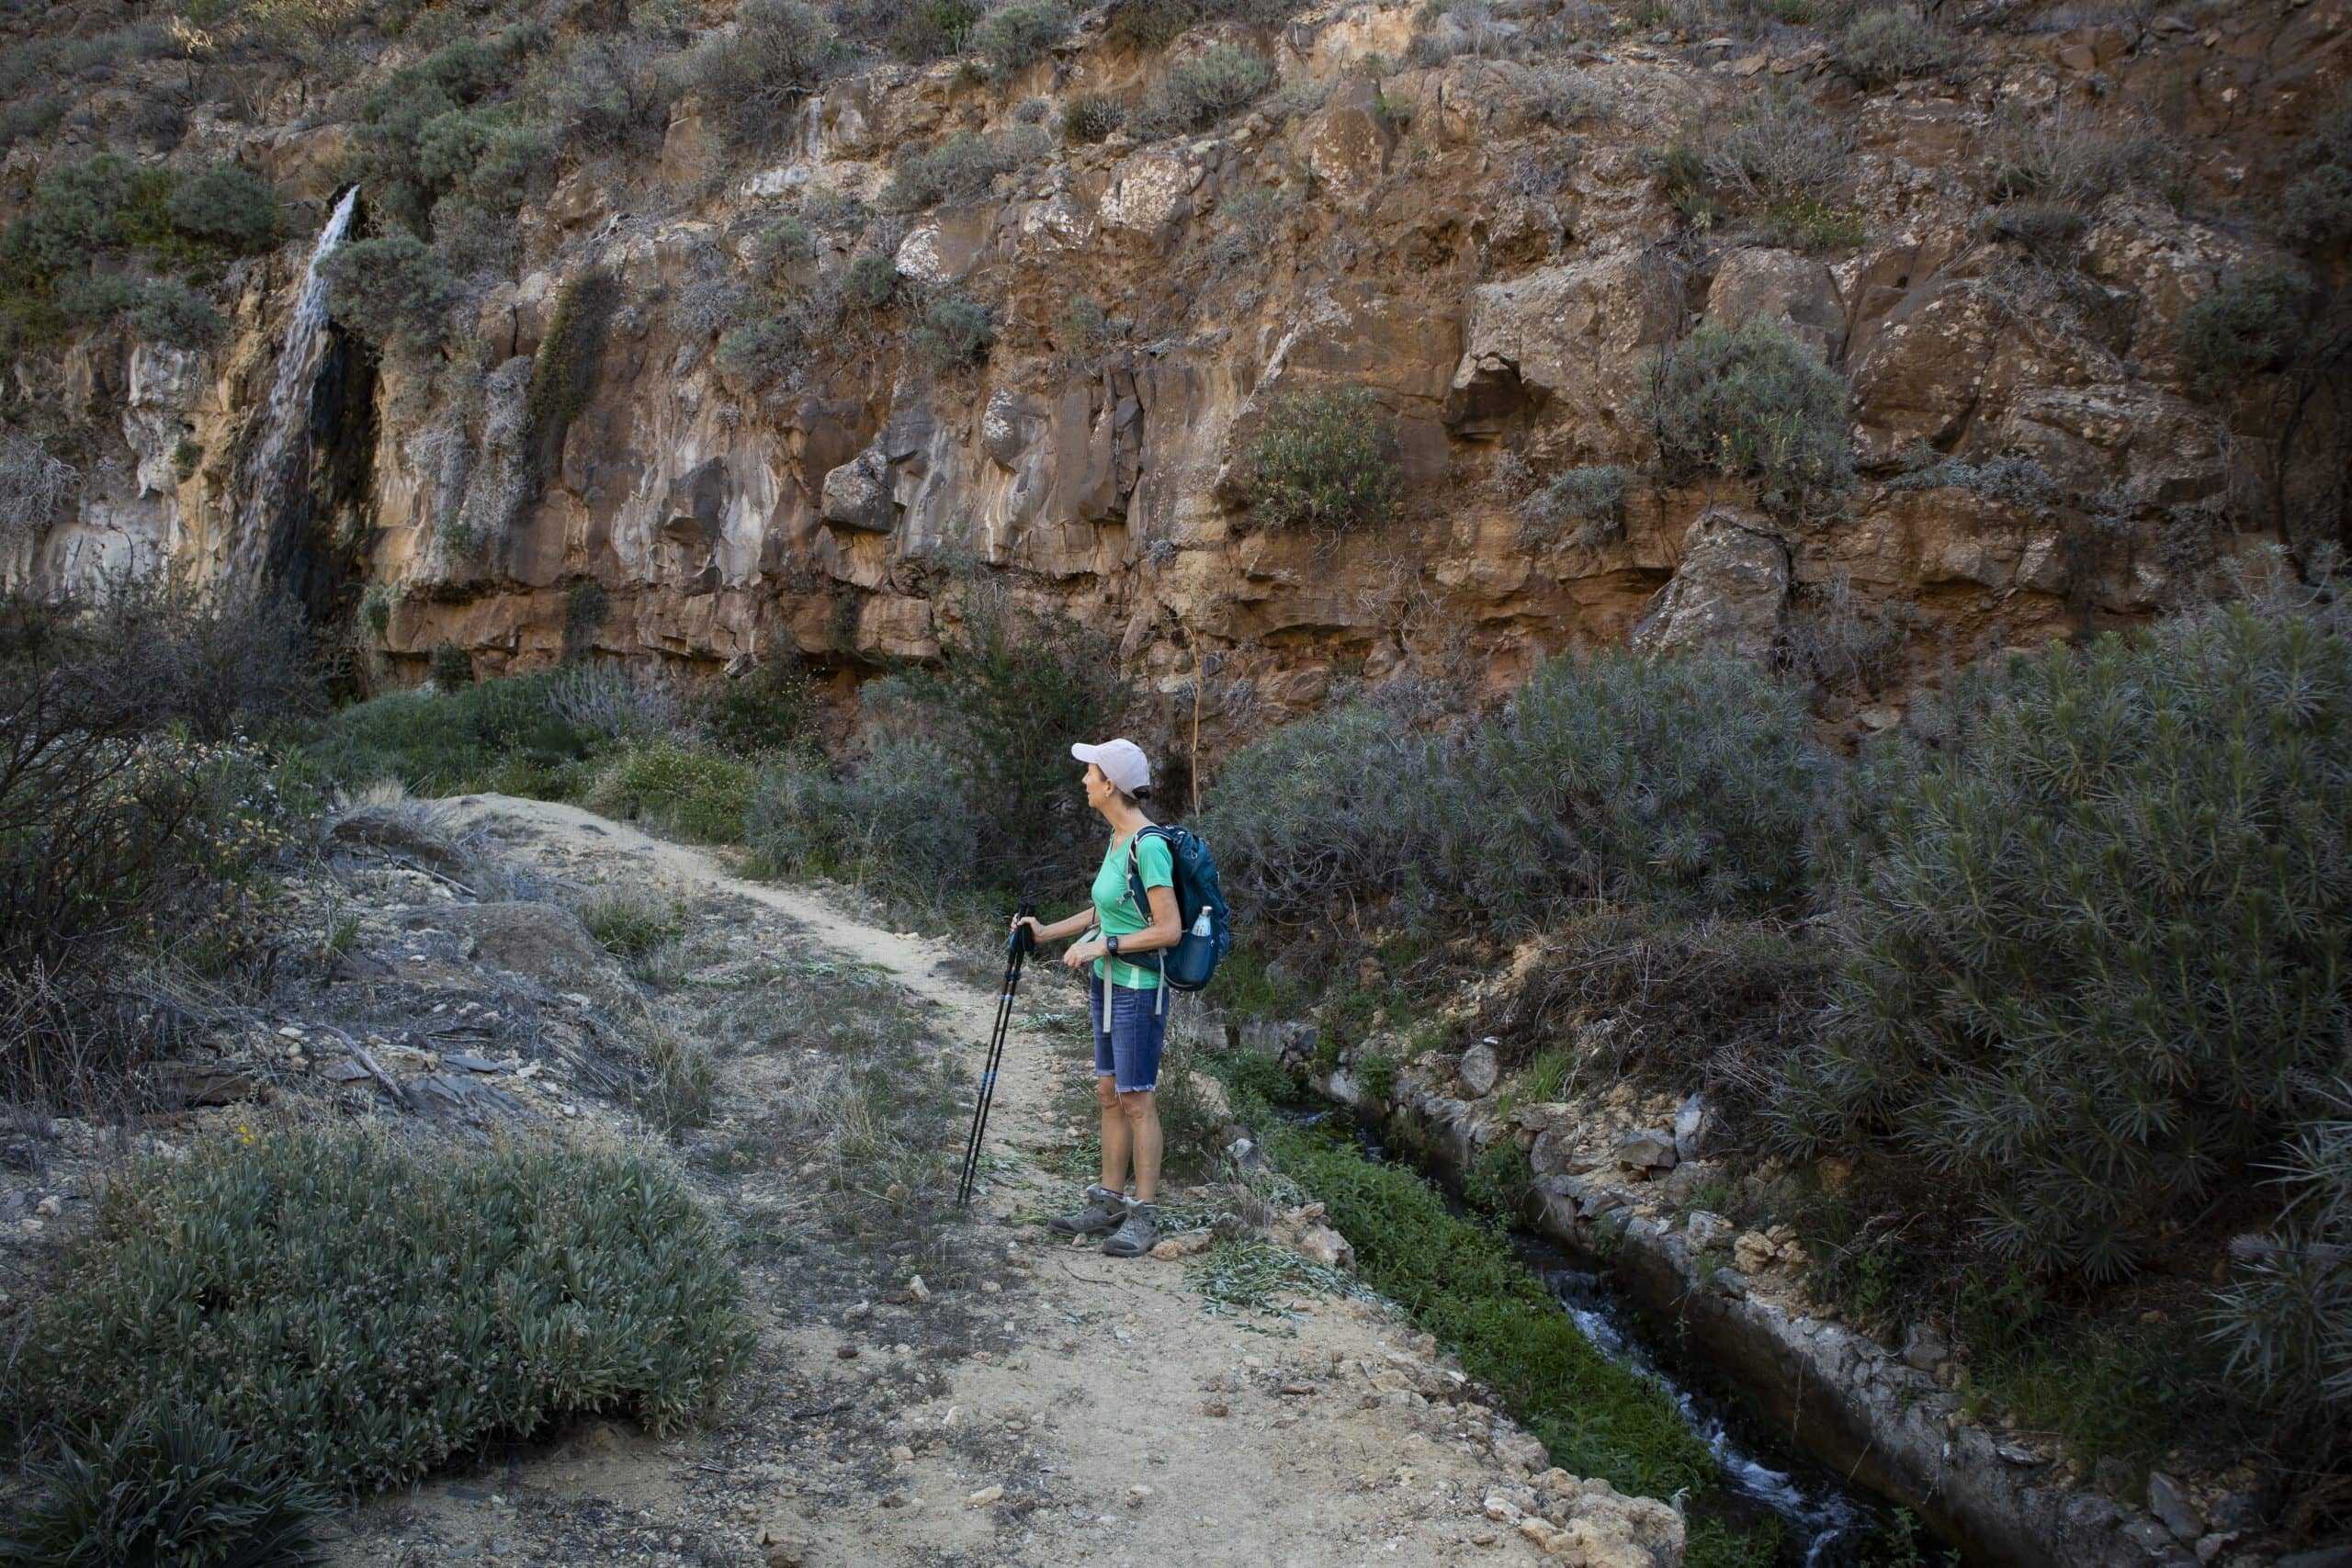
{"points": [[1104, 1209], [1134, 1237]]}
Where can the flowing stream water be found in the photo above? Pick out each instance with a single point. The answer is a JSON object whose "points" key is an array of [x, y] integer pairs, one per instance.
{"points": [[1827, 1521], [288, 416]]}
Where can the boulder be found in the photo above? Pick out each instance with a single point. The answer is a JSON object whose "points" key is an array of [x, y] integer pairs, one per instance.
{"points": [[1706, 1230], [1575, 334], [1782, 285], [1645, 1152], [1479, 1070], [1694, 1125], [1731, 592], [856, 495], [1321, 1243], [2170, 1501]]}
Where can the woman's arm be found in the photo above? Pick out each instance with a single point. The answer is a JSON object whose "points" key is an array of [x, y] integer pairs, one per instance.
{"points": [[1164, 931]]}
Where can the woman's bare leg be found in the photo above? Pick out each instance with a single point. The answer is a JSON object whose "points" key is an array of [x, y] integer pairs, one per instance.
{"points": [[1140, 1113], [1116, 1146]]}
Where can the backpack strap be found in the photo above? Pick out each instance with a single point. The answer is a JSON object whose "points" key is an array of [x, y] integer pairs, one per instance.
{"points": [[1140, 896]]}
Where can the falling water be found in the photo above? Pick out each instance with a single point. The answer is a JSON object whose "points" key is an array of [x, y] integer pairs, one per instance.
{"points": [[286, 421]]}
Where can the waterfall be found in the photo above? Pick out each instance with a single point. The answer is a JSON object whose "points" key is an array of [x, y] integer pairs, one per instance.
{"points": [[285, 424]]}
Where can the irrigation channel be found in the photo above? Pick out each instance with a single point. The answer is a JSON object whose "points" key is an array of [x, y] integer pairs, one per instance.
{"points": [[1828, 1522]]}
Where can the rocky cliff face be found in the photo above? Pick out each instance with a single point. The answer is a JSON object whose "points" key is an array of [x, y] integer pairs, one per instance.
{"points": [[1483, 242]]}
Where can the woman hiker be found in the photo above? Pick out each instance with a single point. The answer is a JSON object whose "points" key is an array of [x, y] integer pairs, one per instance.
{"points": [[1128, 1003]]}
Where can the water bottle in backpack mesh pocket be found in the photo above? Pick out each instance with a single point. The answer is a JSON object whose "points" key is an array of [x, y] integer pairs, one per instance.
{"points": [[1200, 907]]}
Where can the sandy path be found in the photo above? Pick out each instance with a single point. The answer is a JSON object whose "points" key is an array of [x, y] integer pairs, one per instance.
{"points": [[1335, 1439]]}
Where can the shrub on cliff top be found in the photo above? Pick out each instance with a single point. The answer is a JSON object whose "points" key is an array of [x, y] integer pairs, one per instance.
{"points": [[1018, 32], [1887, 46], [1323, 460], [1750, 404], [393, 291], [753, 77], [358, 1311], [2100, 968], [960, 168]]}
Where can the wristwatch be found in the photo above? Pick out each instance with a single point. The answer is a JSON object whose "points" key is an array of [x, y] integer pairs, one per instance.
{"points": [[1111, 945]]}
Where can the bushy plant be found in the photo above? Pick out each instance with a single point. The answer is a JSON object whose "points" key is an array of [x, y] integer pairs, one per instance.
{"points": [[564, 371], [171, 312], [870, 280], [2097, 965], [167, 1486], [1316, 817], [1751, 403], [1015, 686], [506, 735], [2247, 327], [955, 332], [1204, 90], [2013, 479], [228, 205], [771, 709], [1780, 149], [1142, 24], [475, 1295], [1091, 117], [696, 795], [932, 28], [1682, 783], [761, 351], [778, 52], [1324, 460], [2316, 206], [1887, 46], [1016, 33], [960, 169], [1586, 503], [900, 817], [393, 291], [451, 668]]}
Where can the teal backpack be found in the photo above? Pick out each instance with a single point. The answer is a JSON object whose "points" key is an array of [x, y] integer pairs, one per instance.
{"points": [[1200, 906]]}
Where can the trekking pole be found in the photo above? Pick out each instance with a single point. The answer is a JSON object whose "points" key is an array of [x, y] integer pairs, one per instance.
{"points": [[1017, 946]]}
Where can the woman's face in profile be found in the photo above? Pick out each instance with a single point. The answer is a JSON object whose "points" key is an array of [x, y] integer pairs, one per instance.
{"points": [[1098, 788]]}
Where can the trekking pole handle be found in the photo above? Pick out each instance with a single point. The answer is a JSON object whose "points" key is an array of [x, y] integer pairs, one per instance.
{"points": [[1024, 940]]}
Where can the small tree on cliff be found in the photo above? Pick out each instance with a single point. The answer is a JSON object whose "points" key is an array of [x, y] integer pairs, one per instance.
{"points": [[1751, 403]]}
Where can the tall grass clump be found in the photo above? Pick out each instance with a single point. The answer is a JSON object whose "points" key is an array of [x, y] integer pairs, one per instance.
{"points": [[358, 1311], [509, 735], [2099, 970], [898, 818], [695, 794]]}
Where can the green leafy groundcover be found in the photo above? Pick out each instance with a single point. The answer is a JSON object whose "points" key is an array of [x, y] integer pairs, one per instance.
{"points": [[357, 1311], [1461, 1280]]}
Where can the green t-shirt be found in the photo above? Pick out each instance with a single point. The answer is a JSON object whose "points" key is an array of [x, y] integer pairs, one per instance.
{"points": [[1115, 904]]}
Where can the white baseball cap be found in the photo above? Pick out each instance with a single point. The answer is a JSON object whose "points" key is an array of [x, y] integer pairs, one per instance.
{"points": [[1122, 762]]}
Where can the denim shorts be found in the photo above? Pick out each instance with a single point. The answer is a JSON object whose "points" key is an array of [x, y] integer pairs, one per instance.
{"points": [[1128, 1037]]}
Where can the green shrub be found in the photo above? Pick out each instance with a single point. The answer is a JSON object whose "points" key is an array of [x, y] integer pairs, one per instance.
{"points": [[2247, 327], [2286, 1316], [456, 1279], [1811, 224], [778, 52], [2315, 209], [1139, 26], [226, 205], [783, 245], [932, 28], [2012, 479], [870, 280], [960, 169], [393, 291], [1318, 814], [500, 735], [1090, 117], [955, 332], [171, 312], [761, 351], [1683, 784], [2097, 962], [1887, 46], [900, 819], [1323, 460], [1589, 503], [1780, 147], [696, 795], [1016, 33], [1378, 1076], [1014, 688], [451, 667], [168, 1487], [2316, 206], [772, 708], [86, 300], [376, 610], [1204, 90], [31, 118], [629, 923], [1750, 404], [1499, 1179]]}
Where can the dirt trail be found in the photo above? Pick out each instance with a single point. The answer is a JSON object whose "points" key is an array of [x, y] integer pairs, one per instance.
{"points": [[1122, 1422]]}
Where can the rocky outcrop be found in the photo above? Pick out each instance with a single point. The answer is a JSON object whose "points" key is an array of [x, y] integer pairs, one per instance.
{"points": [[1479, 241]]}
